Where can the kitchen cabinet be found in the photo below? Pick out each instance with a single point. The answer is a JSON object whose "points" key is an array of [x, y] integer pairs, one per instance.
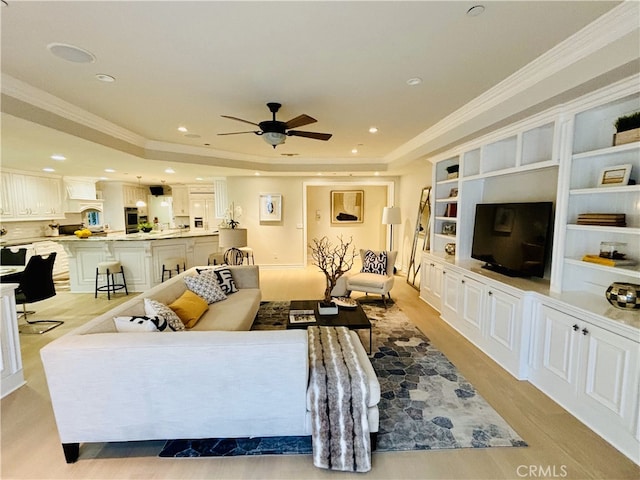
{"points": [[592, 372], [132, 194], [202, 212], [180, 195], [31, 197], [450, 295]]}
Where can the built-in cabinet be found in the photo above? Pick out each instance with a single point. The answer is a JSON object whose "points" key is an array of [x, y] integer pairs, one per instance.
{"points": [[30, 197], [180, 194], [132, 194], [590, 371], [12, 376], [559, 332]]}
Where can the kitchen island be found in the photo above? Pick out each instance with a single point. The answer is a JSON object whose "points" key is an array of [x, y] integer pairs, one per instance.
{"points": [[141, 255]]}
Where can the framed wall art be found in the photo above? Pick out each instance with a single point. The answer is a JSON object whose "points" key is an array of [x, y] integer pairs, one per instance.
{"points": [[270, 207], [616, 176], [347, 206]]}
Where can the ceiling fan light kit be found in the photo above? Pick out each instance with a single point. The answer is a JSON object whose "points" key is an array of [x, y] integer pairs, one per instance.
{"points": [[275, 132]]}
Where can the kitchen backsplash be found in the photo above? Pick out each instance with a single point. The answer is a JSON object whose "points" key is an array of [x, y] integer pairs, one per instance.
{"points": [[28, 230]]}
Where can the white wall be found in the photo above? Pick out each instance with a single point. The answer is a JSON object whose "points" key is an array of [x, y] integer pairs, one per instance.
{"points": [[283, 243], [408, 198]]}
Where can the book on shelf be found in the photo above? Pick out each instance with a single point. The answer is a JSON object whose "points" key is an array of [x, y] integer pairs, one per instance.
{"points": [[609, 262], [302, 316], [604, 219]]}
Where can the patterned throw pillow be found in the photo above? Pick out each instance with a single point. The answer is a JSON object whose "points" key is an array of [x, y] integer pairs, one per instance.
{"points": [[153, 308], [137, 323], [223, 277], [374, 262], [206, 285]]}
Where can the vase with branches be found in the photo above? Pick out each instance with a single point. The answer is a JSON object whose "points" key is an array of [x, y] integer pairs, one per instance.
{"points": [[333, 260]]}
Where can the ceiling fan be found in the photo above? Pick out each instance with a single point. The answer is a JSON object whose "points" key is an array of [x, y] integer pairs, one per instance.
{"points": [[275, 132]]}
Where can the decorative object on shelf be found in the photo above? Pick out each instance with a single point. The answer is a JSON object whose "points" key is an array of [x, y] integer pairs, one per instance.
{"points": [[334, 261], [452, 171], [270, 207], [450, 248], [448, 228], [451, 210], [602, 219], [612, 250], [623, 295], [453, 193], [627, 129], [51, 230], [609, 262], [145, 227], [347, 206], [615, 176]]}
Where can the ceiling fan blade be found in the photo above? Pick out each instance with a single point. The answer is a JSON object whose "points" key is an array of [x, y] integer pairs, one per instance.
{"points": [[300, 120], [314, 135], [240, 120], [236, 133]]}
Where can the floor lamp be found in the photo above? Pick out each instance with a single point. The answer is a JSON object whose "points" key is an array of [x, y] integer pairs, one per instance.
{"points": [[391, 216], [232, 239]]}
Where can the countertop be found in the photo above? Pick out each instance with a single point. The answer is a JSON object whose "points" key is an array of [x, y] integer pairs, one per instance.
{"points": [[137, 237]]}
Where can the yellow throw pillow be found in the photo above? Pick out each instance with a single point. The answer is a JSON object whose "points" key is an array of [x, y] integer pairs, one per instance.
{"points": [[189, 307]]}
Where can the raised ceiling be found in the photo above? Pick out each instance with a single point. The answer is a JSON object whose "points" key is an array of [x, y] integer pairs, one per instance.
{"points": [[187, 63]]}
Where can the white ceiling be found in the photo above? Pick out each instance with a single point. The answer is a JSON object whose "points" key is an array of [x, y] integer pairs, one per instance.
{"points": [[187, 63]]}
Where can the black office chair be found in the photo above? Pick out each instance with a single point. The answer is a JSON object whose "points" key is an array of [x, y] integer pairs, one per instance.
{"points": [[36, 284], [13, 257]]}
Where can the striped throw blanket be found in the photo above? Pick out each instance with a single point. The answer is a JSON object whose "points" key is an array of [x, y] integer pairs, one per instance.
{"points": [[339, 393]]}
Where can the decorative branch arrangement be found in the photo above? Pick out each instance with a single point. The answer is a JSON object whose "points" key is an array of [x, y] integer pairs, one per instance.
{"points": [[333, 260]]}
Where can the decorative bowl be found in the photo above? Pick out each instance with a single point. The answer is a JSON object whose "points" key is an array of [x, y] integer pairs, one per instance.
{"points": [[450, 248], [623, 295]]}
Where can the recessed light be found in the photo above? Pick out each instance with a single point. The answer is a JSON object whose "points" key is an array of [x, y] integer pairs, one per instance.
{"points": [[475, 10], [200, 179], [58, 157], [183, 129], [48, 169], [109, 170], [103, 77], [354, 150], [412, 82], [169, 170], [257, 174], [71, 53], [377, 174], [373, 130]]}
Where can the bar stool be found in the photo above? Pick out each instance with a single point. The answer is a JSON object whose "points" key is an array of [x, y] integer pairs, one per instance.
{"points": [[215, 258], [247, 252], [173, 264], [110, 269]]}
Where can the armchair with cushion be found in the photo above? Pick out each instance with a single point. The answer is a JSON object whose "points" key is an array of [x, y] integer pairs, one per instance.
{"points": [[376, 275]]}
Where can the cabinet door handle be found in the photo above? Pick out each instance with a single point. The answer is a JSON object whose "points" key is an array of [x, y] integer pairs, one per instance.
{"points": [[585, 331], [461, 281], [575, 327], [490, 293]]}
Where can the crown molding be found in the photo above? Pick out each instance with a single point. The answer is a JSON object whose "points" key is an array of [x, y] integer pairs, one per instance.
{"points": [[613, 25], [24, 92]]}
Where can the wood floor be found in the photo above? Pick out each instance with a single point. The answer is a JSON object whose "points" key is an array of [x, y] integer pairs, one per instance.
{"points": [[559, 445]]}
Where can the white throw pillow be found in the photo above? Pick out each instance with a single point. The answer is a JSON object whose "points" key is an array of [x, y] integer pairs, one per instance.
{"points": [[206, 286], [153, 308], [137, 323]]}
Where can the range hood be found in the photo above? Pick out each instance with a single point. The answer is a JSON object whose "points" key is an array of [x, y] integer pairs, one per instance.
{"points": [[79, 206]]}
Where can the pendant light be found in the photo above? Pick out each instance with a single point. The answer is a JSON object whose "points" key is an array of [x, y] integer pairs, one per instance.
{"points": [[140, 203], [164, 202]]}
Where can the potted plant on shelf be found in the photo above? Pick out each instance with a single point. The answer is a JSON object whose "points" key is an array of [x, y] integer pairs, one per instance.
{"points": [[334, 261], [627, 129]]}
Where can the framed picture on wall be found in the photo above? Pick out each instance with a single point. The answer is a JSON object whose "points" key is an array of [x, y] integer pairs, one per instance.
{"points": [[347, 206], [270, 207]]}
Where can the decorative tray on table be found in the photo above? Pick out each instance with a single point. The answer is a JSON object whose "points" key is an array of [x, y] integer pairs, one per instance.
{"points": [[345, 302]]}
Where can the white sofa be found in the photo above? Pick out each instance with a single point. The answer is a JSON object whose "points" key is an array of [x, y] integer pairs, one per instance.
{"points": [[107, 386]]}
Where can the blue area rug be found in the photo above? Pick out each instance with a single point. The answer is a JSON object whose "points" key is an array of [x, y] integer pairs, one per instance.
{"points": [[426, 403]]}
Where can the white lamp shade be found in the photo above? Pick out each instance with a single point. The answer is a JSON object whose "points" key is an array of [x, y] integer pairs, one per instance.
{"points": [[232, 237], [391, 216]]}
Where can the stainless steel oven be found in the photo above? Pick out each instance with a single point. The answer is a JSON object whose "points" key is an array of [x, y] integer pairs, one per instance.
{"points": [[131, 219]]}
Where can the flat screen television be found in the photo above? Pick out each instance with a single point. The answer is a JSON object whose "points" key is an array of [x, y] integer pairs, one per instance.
{"points": [[513, 238]]}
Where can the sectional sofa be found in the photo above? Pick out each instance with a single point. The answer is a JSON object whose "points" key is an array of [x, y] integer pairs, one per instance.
{"points": [[217, 379]]}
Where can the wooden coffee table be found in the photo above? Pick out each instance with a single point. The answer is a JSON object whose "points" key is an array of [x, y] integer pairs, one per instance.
{"points": [[352, 318]]}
